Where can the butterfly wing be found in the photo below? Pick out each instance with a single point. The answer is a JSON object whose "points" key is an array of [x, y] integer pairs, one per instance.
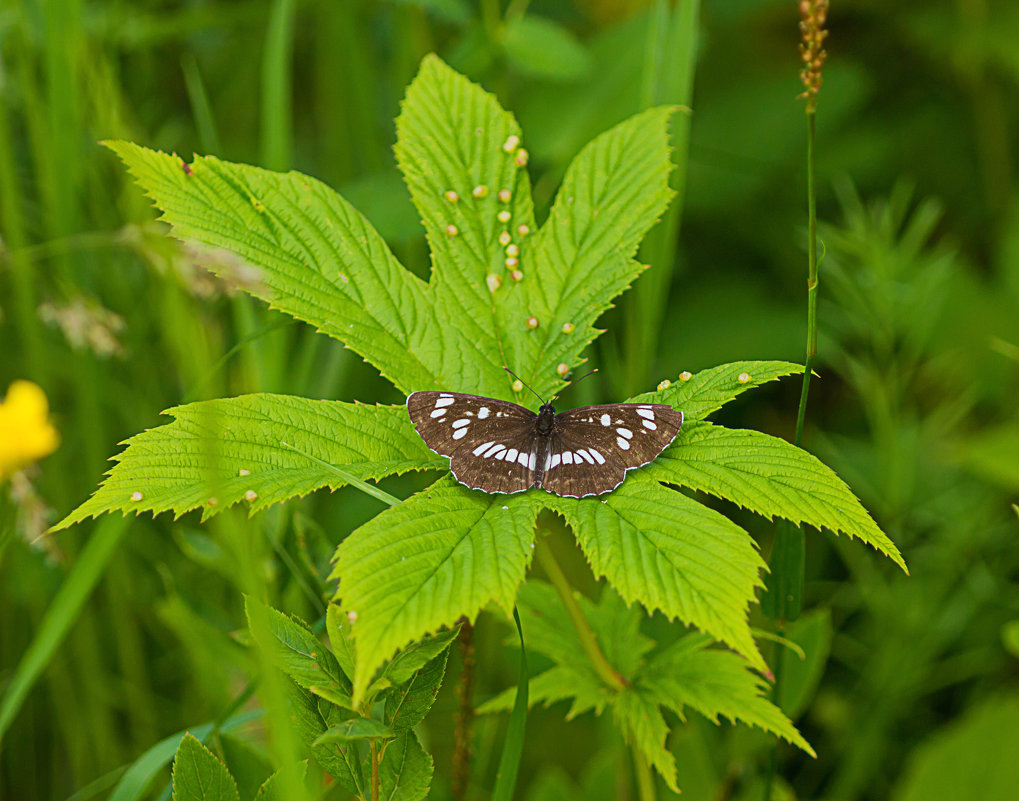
{"points": [[490, 442], [592, 447]]}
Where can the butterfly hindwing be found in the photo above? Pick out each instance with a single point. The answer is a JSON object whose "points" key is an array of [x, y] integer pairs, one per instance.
{"points": [[592, 447]]}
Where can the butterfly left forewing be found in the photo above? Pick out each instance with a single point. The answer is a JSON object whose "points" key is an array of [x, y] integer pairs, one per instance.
{"points": [[480, 435], [592, 447]]}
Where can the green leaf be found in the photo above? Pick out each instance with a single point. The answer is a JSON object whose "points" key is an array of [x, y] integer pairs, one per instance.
{"points": [[551, 632], [415, 656], [338, 627], [709, 390], [450, 137], [670, 553], [296, 651], [643, 725], [973, 757], [441, 555], [247, 762], [317, 258], [355, 729], [769, 476], [199, 776], [407, 704], [613, 192], [539, 47], [800, 677], [715, 683], [406, 770], [222, 449], [270, 789], [513, 746], [340, 761]]}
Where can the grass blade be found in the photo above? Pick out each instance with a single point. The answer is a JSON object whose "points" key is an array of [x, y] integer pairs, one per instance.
{"points": [[513, 748]]}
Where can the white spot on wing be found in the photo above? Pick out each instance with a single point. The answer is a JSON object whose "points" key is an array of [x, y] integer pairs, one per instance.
{"points": [[444, 400], [438, 412], [649, 424], [624, 432], [598, 457], [586, 455], [568, 457], [522, 459], [480, 448], [622, 443], [531, 459], [647, 414], [494, 450], [460, 434], [483, 412], [556, 461], [606, 420], [461, 423], [511, 455]]}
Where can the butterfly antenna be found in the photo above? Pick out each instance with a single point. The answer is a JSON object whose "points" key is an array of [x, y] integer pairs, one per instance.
{"points": [[572, 383], [518, 378]]}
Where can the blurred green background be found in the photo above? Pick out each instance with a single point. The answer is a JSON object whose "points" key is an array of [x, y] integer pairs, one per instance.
{"points": [[910, 684]]}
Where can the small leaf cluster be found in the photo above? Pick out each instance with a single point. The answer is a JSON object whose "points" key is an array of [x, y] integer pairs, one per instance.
{"points": [[687, 674], [340, 735]]}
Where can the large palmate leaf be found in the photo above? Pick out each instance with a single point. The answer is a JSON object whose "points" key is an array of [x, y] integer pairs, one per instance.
{"points": [[318, 258], [670, 553], [447, 552], [769, 476], [216, 452], [442, 554]]}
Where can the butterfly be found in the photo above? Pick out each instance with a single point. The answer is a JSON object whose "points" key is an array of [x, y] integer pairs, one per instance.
{"points": [[500, 447]]}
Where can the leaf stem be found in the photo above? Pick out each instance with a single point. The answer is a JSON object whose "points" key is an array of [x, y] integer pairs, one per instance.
{"points": [[605, 671], [645, 781], [375, 769]]}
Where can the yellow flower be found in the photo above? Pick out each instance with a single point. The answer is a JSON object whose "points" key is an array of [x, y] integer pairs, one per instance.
{"points": [[25, 430]]}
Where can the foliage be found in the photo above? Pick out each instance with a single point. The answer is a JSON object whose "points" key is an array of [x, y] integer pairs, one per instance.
{"points": [[913, 404]]}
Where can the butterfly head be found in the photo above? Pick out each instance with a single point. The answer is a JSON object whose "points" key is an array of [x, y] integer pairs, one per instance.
{"points": [[545, 416]]}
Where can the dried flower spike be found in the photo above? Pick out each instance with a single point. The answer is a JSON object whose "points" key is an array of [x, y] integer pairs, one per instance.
{"points": [[814, 14]]}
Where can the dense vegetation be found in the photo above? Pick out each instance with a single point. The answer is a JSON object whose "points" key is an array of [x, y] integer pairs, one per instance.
{"points": [[118, 633]]}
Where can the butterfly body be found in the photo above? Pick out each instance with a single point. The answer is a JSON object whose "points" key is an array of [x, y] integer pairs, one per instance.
{"points": [[501, 447]]}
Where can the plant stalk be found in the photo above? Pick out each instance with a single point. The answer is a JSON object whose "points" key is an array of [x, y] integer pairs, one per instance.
{"points": [[645, 780], [375, 770], [462, 750], [605, 671], [801, 413]]}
